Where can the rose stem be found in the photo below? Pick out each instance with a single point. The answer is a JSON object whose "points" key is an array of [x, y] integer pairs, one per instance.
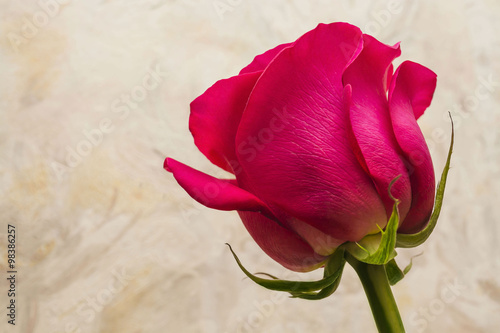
{"points": [[379, 294]]}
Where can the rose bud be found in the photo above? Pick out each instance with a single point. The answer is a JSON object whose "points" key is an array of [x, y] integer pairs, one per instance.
{"points": [[314, 131]]}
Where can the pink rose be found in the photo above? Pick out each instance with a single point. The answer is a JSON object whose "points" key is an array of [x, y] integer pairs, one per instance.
{"points": [[314, 131]]}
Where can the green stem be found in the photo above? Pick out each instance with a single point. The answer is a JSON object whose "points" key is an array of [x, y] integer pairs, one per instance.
{"points": [[379, 294]]}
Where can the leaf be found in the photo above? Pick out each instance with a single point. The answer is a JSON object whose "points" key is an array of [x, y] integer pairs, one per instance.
{"points": [[413, 240], [286, 285], [378, 249]]}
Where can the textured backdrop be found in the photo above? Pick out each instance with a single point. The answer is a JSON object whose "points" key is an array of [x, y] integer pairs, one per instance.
{"points": [[93, 96]]}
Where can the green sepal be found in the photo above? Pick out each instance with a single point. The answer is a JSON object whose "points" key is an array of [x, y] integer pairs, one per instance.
{"points": [[378, 249], [409, 266], [286, 285], [394, 273], [334, 267], [267, 274], [413, 240]]}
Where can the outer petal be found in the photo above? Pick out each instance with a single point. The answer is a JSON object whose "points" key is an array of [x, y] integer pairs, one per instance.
{"points": [[261, 61], [215, 117], [371, 122], [281, 244], [410, 94], [293, 140], [388, 77], [320, 242], [212, 192]]}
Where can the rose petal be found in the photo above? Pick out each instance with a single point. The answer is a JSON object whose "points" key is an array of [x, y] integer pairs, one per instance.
{"points": [[420, 82], [212, 192], [293, 140], [321, 243], [281, 244], [371, 122], [215, 116], [261, 61], [388, 77], [410, 94]]}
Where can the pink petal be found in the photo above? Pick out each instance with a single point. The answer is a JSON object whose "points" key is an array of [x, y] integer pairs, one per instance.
{"points": [[371, 122], [261, 61], [409, 95], [321, 243], [212, 192], [215, 116], [293, 141], [420, 91], [388, 77], [281, 244]]}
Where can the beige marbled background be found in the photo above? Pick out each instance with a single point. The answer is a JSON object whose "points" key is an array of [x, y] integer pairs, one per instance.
{"points": [[107, 242]]}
